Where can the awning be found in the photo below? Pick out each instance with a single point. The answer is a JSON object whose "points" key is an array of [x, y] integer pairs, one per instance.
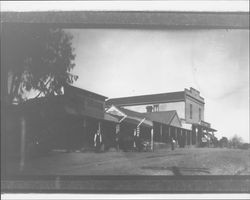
{"points": [[205, 127]]}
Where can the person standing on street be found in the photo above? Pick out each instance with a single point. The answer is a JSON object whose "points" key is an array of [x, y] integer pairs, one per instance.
{"points": [[97, 141], [172, 144]]}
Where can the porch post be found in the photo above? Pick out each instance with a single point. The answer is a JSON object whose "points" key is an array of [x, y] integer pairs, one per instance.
{"points": [[208, 139], [196, 136], [181, 136], [134, 145], [23, 144], [117, 131], [201, 135], [176, 136], [169, 134], [190, 137], [99, 126], [100, 130], [84, 129], [185, 133], [161, 133], [152, 139]]}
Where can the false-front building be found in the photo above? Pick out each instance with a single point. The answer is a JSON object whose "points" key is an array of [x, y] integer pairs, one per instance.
{"points": [[188, 104]]}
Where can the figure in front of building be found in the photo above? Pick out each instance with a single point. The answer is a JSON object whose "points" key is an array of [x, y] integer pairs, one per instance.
{"points": [[98, 141], [136, 141], [172, 144]]}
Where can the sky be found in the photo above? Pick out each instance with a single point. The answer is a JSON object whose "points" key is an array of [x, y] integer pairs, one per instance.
{"points": [[122, 62]]}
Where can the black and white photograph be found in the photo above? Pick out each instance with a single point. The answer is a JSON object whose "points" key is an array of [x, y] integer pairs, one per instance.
{"points": [[125, 101]]}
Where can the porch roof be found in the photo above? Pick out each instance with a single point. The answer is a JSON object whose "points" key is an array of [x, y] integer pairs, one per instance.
{"points": [[129, 116], [110, 118], [205, 127]]}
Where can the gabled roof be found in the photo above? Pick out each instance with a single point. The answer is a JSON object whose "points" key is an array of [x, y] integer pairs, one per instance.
{"points": [[153, 98], [131, 113], [115, 111], [129, 116], [164, 117], [111, 118]]}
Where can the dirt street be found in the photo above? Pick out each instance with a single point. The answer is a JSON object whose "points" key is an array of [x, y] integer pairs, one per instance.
{"points": [[187, 161]]}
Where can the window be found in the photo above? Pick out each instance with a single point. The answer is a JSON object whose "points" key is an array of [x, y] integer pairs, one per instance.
{"points": [[191, 111], [156, 108], [200, 114]]}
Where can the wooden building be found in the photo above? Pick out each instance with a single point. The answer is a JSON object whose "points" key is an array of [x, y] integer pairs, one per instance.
{"points": [[160, 127], [131, 125], [188, 104], [68, 121]]}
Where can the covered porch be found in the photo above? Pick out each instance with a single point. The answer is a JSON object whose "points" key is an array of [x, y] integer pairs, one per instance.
{"points": [[203, 134]]}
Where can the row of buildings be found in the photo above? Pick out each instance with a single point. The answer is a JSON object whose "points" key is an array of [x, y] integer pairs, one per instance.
{"points": [[70, 121]]}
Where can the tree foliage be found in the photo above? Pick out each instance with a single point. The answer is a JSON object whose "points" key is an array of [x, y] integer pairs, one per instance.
{"points": [[223, 142], [235, 141], [38, 58]]}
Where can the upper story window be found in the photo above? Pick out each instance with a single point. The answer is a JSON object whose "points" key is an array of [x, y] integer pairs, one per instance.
{"points": [[200, 114], [156, 108], [191, 111]]}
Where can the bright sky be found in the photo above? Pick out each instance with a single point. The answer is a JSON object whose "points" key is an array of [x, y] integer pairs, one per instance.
{"points": [[117, 63]]}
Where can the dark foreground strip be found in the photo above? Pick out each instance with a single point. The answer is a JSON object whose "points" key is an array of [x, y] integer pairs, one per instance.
{"points": [[126, 184], [131, 19]]}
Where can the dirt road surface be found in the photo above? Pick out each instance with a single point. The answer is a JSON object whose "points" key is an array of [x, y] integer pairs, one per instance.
{"points": [[182, 161]]}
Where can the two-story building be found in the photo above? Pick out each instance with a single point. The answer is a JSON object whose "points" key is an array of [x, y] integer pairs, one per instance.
{"points": [[188, 104]]}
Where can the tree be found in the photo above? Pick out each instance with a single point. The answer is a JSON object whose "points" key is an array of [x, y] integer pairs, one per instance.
{"points": [[223, 142], [215, 141], [38, 58], [235, 141]]}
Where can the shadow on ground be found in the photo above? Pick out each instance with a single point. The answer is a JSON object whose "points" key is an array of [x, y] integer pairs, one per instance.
{"points": [[177, 171], [157, 156]]}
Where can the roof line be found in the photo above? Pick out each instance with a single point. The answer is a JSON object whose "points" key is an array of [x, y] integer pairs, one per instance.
{"points": [[150, 102], [84, 90], [190, 96], [144, 95], [161, 111], [116, 109]]}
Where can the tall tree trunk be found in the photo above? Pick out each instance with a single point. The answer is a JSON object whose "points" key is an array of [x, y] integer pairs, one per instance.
{"points": [[15, 87]]}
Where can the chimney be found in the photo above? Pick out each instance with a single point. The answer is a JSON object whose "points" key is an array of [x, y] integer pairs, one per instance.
{"points": [[149, 109]]}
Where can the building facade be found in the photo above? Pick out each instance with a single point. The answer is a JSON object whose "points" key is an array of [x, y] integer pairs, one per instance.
{"points": [[188, 104], [71, 121]]}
